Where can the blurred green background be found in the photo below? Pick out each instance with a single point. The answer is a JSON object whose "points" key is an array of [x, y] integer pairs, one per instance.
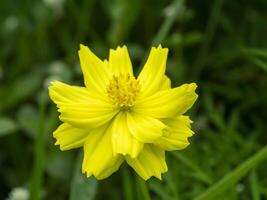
{"points": [[219, 44]]}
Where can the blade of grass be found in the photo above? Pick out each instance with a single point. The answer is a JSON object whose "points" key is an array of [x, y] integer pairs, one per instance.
{"points": [[186, 161], [174, 9], [233, 177], [207, 39], [254, 184], [159, 191], [39, 153], [255, 52], [143, 192], [214, 115], [172, 184], [127, 184], [82, 188], [259, 63], [166, 26], [123, 15]]}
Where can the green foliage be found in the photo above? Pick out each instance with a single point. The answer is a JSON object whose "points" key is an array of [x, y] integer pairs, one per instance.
{"points": [[220, 45]]}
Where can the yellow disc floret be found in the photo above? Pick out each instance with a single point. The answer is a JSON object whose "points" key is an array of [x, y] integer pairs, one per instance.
{"points": [[122, 90]]}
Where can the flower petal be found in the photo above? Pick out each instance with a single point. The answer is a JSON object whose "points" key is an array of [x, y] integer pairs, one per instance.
{"points": [[119, 61], [175, 137], [96, 74], [145, 129], [80, 108], [69, 137], [150, 162], [99, 159], [151, 76], [165, 83], [123, 141], [168, 103]]}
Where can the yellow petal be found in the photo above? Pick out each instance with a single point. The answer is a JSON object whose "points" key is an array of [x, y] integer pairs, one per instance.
{"points": [[165, 83], [175, 137], [119, 61], [69, 137], [80, 108], [96, 74], [99, 159], [145, 129], [168, 103], [151, 76], [123, 141], [186, 120], [150, 162], [62, 93]]}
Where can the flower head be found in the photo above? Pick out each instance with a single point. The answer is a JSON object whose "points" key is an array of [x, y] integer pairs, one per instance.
{"points": [[117, 117], [123, 90]]}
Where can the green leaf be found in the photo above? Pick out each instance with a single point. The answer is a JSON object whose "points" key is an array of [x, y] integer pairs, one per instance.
{"points": [[7, 126], [82, 188]]}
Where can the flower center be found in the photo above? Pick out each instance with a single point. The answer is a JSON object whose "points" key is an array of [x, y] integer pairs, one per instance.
{"points": [[122, 90]]}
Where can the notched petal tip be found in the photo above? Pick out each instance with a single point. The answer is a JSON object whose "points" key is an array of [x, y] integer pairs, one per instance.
{"points": [[160, 48], [188, 87], [58, 143], [159, 177], [82, 46], [105, 61], [150, 162], [85, 51], [52, 85], [132, 155], [193, 86], [86, 173], [54, 82], [119, 47]]}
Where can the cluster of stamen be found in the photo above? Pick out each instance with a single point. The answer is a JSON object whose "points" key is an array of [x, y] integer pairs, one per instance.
{"points": [[122, 90]]}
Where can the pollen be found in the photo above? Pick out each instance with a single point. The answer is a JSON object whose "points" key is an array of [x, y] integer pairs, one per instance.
{"points": [[123, 90]]}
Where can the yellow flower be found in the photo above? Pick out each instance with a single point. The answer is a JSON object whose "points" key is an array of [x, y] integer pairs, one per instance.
{"points": [[117, 117]]}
